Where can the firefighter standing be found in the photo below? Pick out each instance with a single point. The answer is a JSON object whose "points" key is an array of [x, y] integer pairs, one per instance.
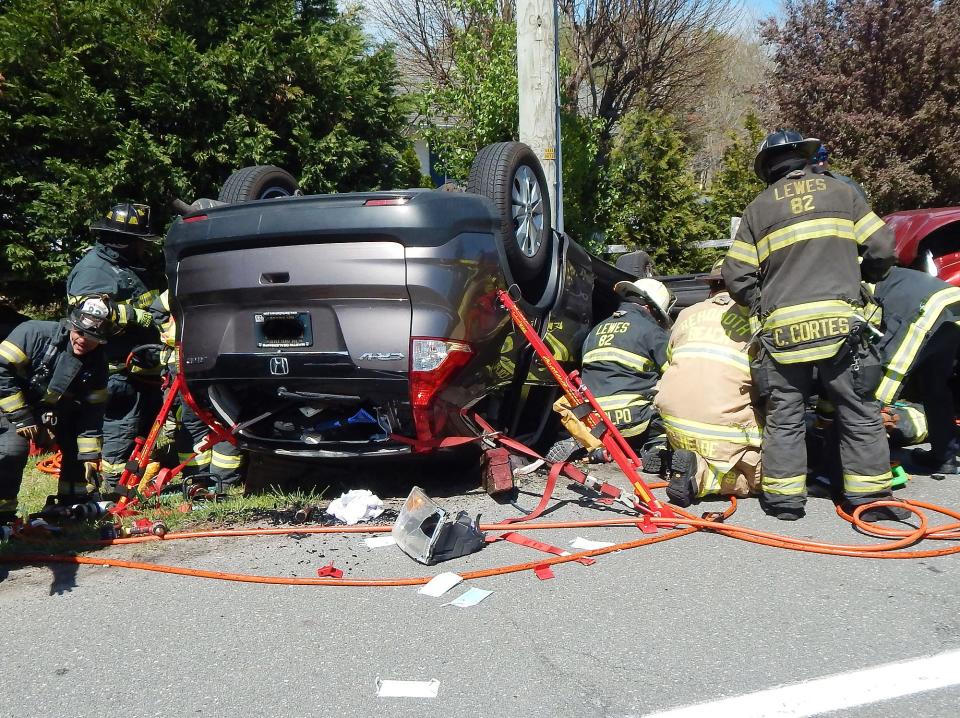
{"points": [[224, 461], [920, 344], [53, 385], [794, 264], [111, 268], [704, 399]]}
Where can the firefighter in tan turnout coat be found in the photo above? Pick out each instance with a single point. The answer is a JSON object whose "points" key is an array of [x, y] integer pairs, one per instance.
{"points": [[705, 402]]}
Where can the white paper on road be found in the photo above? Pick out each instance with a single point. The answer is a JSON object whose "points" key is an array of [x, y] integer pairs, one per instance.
{"points": [[588, 545], [380, 541], [440, 584], [408, 689], [470, 597]]}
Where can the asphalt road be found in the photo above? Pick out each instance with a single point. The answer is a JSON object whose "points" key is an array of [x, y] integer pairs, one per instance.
{"points": [[683, 622]]}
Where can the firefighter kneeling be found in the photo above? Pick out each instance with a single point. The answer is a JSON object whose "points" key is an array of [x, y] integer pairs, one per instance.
{"points": [[53, 387]]}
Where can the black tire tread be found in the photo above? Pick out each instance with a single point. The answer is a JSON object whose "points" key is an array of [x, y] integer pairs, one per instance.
{"points": [[239, 184], [490, 173]]}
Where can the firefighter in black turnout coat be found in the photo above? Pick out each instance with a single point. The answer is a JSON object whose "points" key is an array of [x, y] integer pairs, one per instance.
{"points": [[920, 343], [794, 264], [53, 386], [111, 268]]}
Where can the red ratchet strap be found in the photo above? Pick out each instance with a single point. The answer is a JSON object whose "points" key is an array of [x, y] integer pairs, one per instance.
{"points": [[543, 572], [521, 540], [329, 571]]}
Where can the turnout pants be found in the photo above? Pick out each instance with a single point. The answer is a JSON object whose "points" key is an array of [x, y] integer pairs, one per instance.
{"points": [[849, 383], [743, 479], [932, 373], [13, 459], [132, 405], [222, 463]]}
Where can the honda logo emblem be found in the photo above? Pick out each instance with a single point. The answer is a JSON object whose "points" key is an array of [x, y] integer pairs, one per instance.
{"points": [[279, 366]]}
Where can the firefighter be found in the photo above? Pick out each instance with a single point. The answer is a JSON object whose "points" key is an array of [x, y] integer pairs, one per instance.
{"points": [[222, 463], [53, 387], [623, 358], [704, 399], [919, 346], [112, 268], [821, 165], [794, 265]]}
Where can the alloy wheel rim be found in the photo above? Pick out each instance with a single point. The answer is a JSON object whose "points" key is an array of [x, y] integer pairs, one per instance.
{"points": [[527, 210]]}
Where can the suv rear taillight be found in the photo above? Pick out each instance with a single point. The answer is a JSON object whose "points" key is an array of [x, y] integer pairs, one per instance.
{"points": [[433, 363]]}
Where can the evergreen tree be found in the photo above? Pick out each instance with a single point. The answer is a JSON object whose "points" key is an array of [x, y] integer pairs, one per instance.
{"points": [[109, 100], [736, 184], [652, 202]]}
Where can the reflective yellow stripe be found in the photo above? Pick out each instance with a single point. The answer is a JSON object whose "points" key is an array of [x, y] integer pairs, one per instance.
{"points": [[617, 356], [201, 459], [124, 312], [746, 435], [825, 309], [143, 301], [714, 353], [803, 231], [919, 421], [12, 354], [621, 401], [785, 486], [795, 356], [89, 444], [866, 226], [13, 402], [109, 468], [75, 299], [859, 484], [635, 430], [741, 251], [227, 461], [906, 353], [97, 396]]}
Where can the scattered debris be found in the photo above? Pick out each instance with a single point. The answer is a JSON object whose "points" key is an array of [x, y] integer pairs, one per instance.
{"points": [[430, 534], [408, 689], [583, 544], [470, 597], [355, 506], [380, 541], [440, 584]]}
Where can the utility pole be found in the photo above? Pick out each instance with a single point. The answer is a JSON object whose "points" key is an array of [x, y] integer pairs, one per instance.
{"points": [[537, 57]]}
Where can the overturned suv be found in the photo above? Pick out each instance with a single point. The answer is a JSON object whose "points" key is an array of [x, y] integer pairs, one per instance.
{"points": [[330, 326]]}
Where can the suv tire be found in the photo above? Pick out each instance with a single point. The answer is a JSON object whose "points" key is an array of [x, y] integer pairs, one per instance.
{"points": [[510, 174], [258, 182]]}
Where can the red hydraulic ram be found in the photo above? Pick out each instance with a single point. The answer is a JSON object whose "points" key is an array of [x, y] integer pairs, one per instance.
{"points": [[578, 394]]}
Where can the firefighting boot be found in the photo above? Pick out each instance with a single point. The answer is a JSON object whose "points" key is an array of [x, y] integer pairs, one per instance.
{"points": [[656, 460], [878, 513], [682, 489], [562, 450], [934, 465]]}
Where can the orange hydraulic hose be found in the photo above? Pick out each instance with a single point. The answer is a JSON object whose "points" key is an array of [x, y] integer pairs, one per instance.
{"points": [[902, 538], [50, 464]]}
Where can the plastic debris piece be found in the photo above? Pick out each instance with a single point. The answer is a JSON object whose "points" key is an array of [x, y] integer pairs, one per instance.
{"points": [[380, 541], [408, 689], [440, 584], [470, 597], [583, 544], [329, 571], [355, 506]]}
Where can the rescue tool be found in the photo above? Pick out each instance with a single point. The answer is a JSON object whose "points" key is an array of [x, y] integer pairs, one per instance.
{"points": [[582, 400]]}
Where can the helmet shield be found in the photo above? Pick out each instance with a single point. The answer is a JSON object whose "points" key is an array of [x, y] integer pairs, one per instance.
{"points": [[92, 318], [125, 222]]}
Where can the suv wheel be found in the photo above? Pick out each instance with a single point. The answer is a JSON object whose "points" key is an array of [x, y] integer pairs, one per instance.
{"points": [[510, 174], [258, 182]]}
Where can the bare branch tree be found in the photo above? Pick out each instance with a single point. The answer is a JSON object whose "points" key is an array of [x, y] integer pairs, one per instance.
{"points": [[654, 54]]}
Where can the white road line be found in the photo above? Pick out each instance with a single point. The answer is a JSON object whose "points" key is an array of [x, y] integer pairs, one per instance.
{"points": [[844, 690]]}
